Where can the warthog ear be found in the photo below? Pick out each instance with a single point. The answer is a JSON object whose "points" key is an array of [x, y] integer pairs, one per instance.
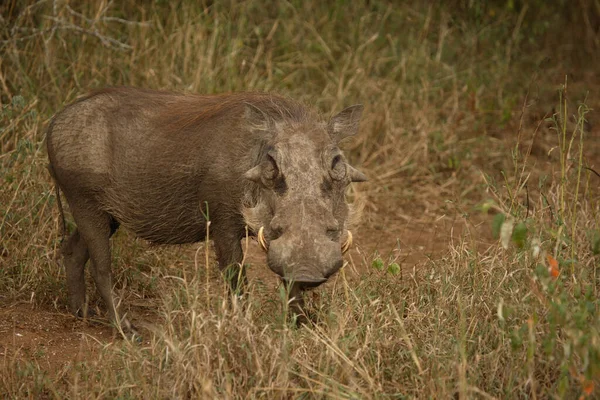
{"points": [[354, 174], [257, 118], [340, 169], [345, 123]]}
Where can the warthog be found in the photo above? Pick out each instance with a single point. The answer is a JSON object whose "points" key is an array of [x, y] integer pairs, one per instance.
{"points": [[158, 163]]}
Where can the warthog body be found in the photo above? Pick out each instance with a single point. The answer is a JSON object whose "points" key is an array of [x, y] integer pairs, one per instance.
{"points": [[158, 163]]}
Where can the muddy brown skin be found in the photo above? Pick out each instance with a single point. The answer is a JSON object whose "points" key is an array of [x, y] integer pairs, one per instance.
{"points": [[154, 161]]}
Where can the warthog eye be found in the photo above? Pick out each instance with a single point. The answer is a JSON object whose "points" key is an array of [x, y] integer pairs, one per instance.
{"points": [[267, 174], [273, 176], [338, 168], [270, 170]]}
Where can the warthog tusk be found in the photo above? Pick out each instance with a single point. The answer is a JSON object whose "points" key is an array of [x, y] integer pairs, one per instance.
{"points": [[263, 243], [261, 239], [346, 245]]}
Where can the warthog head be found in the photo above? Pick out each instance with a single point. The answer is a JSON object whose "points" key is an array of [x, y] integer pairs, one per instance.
{"points": [[299, 211]]}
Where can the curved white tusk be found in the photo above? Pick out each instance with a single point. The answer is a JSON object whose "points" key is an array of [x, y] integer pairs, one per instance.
{"points": [[261, 239], [346, 245]]}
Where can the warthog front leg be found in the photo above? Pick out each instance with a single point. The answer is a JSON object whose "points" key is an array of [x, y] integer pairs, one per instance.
{"points": [[230, 256]]}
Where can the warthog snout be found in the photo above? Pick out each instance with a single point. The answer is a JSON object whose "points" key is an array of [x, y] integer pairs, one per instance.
{"points": [[305, 259]]}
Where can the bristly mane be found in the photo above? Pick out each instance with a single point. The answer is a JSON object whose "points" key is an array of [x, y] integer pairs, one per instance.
{"points": [[188, 111]]}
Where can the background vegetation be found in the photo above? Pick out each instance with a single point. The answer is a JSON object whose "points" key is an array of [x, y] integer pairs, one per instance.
{"points": [[480, 113]]}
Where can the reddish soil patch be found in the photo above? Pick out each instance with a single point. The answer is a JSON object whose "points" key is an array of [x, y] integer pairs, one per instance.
{"points": [[50, 338]]}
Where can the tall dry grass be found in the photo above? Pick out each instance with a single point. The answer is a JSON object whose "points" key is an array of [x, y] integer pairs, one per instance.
{"points": [[447, 125]]}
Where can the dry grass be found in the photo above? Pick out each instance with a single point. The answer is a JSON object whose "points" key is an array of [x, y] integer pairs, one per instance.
{"points": [[456, 99]]}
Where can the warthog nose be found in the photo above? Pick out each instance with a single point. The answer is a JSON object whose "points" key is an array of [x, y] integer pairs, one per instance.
{"points": [[305, 282], [308, 261]]}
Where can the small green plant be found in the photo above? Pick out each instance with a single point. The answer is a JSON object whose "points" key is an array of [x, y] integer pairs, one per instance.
{"points": [[394, 268], [377, 263]]}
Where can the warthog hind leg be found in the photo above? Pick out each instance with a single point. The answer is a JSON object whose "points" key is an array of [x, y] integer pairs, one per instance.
{"points": [[95, 228], [75, 255]]}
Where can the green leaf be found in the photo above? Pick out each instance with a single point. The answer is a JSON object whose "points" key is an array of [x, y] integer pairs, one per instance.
{"points": [[519, 234], [541, 271], [497, 224], [394, 268], [377, 264]]}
